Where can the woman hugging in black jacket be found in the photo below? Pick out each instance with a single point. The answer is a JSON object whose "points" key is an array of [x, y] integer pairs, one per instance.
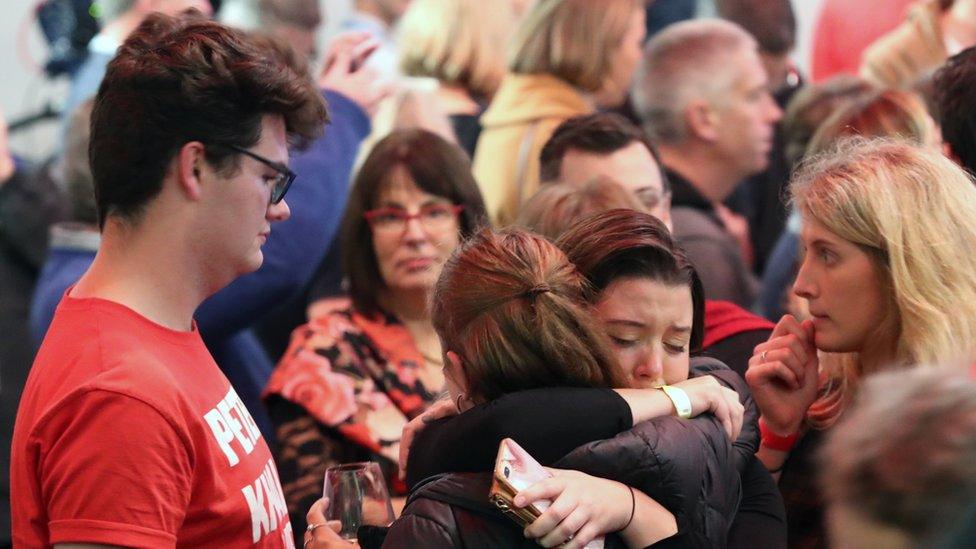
{"points": [[560, 357]]}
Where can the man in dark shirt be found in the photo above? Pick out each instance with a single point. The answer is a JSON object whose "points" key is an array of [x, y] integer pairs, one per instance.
{"points": [[702, 94]]}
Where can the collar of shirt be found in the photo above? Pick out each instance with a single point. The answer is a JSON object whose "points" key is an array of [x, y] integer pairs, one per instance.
{"points": [[684, 194]]}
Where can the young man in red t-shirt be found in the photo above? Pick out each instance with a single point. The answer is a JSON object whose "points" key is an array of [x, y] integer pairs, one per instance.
{"points": [[128, 433]]}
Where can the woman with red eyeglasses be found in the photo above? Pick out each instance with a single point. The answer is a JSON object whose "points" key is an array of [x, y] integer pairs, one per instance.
{"points": [[357, 372]]}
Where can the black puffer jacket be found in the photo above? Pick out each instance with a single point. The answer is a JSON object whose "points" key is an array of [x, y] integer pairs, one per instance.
{"points": [[452, 510], [689, 466]]}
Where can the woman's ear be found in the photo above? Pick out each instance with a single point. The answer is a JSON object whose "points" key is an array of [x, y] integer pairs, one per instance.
{"points": [[455, 372]]}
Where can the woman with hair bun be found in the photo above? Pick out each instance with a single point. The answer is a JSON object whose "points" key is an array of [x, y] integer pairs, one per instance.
{"points": [[505, 311], [510, 310]]}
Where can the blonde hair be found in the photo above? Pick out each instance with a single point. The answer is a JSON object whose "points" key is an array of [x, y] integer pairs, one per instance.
{"points": [[458, 42], [574, 40], [913, 211], [559, 205], [886, 113]]}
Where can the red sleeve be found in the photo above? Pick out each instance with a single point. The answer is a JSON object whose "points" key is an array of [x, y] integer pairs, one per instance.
{"points": [[113, 470]]}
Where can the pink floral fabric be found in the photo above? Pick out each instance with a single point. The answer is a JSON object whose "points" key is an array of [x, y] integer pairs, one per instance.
{"points": [[356, 375]]}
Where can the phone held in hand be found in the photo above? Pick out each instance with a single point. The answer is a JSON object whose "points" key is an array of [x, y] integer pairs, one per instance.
{"points": [[516, 470]]}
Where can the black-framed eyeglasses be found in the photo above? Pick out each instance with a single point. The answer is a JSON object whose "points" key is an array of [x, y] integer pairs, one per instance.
{"points": [[283, 178]]}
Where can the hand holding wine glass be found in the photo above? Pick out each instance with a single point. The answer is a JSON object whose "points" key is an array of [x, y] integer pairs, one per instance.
{"points": [[323, 534], [358, 497]]}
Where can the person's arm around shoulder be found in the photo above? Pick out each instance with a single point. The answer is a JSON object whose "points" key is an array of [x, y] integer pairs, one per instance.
{"points": [[546, 422], [705, 395]]}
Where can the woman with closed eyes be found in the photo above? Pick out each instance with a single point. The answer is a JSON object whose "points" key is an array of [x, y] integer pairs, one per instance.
{"points": [[517, 380]]}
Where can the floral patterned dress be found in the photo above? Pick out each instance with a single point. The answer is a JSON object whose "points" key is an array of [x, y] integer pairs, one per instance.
{"points": [[343, 392]]}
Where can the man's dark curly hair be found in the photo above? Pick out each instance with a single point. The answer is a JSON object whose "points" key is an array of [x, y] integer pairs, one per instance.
{"points": [[182, 79]]}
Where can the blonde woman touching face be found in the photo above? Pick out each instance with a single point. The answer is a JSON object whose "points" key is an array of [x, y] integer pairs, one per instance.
{"points": [[887, 272]]}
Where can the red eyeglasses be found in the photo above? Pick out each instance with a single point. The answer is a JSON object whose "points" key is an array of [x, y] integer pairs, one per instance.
{"points": [[433, 217]]}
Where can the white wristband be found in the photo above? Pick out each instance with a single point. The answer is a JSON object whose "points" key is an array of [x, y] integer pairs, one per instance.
{"points": [[678, 396]]}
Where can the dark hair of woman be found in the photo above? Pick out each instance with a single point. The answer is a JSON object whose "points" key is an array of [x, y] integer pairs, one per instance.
{"points": [[436, 167], [627, 243]]}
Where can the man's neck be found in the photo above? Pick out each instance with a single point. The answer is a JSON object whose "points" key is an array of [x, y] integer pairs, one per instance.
{"points": [[696, 165], [149, 275]]}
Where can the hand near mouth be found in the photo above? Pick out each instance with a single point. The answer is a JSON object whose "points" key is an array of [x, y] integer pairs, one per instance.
{"points": [[784, 375]]}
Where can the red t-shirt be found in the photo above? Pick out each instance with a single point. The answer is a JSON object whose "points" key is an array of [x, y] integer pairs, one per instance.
{"points": [[129, 434]]}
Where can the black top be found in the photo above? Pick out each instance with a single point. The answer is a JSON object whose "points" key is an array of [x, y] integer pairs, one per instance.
{"points": [[467, 128], [799, 484], [685, 195], [571, 417], [736, 350], [549, 423]]}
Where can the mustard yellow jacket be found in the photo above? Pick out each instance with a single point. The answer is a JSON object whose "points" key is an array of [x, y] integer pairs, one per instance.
{"points": [[522, 115]]}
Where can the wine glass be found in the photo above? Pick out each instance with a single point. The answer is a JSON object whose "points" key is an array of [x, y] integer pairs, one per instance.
{"points": [[357, 496]]}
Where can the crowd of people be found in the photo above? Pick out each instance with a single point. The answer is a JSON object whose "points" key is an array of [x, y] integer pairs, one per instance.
{"points": [[724, 304]]}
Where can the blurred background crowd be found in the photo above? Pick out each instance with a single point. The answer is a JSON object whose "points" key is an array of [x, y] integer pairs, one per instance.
{"points": [[697, 113]]}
